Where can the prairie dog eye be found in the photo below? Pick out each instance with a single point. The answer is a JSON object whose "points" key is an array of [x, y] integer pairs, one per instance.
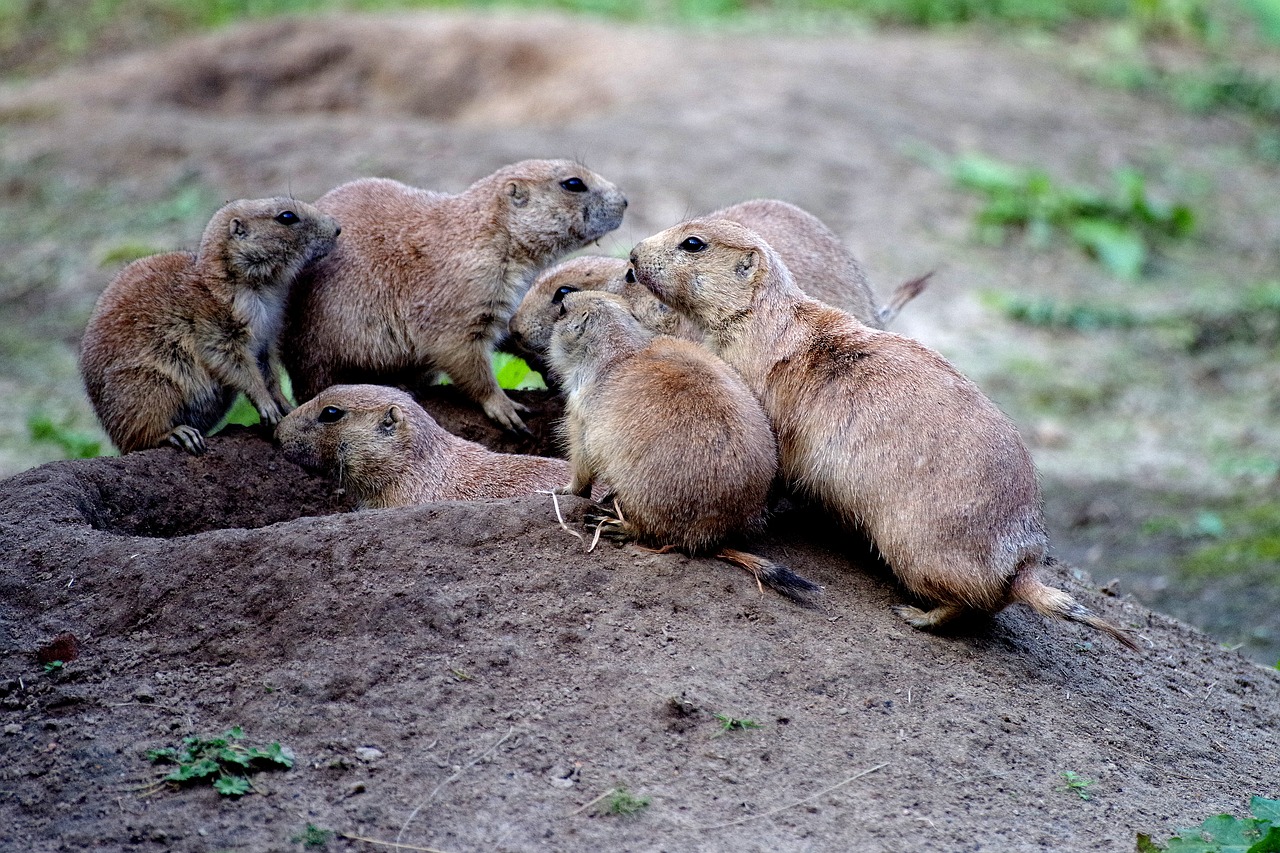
{"points": [[574, 185], [561, 293], [330, 414], [692, 244], [287, 217]]}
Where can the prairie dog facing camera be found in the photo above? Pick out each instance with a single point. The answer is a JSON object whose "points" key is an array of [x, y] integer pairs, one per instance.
{"points": [[424, 281], [387, 451], [881, 430], [669, 431], [175, 336]]}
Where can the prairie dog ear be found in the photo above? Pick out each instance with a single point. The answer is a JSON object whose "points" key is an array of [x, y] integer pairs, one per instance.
{"points": [[392, 419], [748, 264], [518, 193], [236, 228]]}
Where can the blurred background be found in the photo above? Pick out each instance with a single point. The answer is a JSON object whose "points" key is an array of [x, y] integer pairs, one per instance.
{"points": [[1094, 181]]}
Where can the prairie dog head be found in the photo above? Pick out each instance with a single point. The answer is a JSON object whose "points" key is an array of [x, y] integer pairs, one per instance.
{"points": [[711, 270], [555, 206], [366, 436], [594, 329], [532, 323], [268, 241]]}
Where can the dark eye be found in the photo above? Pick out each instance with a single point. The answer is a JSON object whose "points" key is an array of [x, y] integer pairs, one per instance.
{"points": [[692, 244], [561, 293], [630, 276], [287, 217], [330, 414], [574, 185]]}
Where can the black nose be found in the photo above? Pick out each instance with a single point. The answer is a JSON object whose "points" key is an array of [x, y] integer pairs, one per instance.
{"points": [[631, 276], [624, 202], [337, 231]]}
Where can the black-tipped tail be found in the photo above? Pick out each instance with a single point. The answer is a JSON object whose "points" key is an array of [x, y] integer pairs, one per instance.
{"points": [[777, 577], [1053, 602]]}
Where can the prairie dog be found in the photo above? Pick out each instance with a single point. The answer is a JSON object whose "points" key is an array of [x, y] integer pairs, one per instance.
{"points": [[175, 336], [387, 451], [880, 429], [671, 433], [424, 281], [816, 257]]}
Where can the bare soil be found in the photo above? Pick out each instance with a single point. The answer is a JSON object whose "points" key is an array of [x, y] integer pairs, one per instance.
{"points": [[466, 677]]}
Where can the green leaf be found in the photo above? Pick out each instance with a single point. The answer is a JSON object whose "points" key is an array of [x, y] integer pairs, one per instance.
{"points": [[1119, 248], [200, 769], [1264, 809], [1270, 842], [166, 754], [514, 374], [232, 786]]}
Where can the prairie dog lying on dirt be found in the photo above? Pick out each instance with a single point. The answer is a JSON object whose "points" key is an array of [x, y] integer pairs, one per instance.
{"points": [[881, 430], [423, 281], [387, 451], [175, 336], [675, 437]]}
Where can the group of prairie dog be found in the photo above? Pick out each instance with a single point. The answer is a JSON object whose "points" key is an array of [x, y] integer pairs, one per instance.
{"points": [[726, 353]]}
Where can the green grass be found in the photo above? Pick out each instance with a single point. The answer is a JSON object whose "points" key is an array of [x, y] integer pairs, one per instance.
{"points": [[1118, 227], [1076, 783]]}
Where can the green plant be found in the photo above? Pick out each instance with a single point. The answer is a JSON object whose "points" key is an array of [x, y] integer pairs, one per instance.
{"points": [[1078, 784], [514, 375], [623, 803], [313, 836], [220, 760], [54, 667], [1118, 228], [74, 444], [1225, 833], [734, 724]]}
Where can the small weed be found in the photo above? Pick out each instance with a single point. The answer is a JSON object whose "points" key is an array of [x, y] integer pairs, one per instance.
{"points": [[623, 803], [461, 674], [734, 724], [1075, 782], [74, 444], [54, 667], [220, 760], [313, 836], [1050, 313], [1224, 832], [1118, 229]]}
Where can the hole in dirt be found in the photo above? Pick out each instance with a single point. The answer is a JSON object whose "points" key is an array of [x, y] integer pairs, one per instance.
{"points": [[480, 70], [241, 482]]}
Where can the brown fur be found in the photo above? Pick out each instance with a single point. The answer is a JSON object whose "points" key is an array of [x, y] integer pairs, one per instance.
{"points": [[667, 428], [880, 429], [174, 337], [423, 281], [387, 451], [816, 257]]}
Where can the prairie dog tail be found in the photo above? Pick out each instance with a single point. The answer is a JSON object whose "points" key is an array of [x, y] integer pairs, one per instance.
{"points": [[773, 575], [903, 294], [1048, 601]]}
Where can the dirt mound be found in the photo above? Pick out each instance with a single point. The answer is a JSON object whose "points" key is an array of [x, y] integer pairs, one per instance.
{"points": [[465, 676], [487, 71]]}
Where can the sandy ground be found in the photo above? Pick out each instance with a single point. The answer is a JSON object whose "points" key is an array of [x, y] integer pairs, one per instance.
{"points": [[504, 677]]}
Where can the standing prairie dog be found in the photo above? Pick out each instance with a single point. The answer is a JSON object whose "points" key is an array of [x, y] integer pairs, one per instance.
{"points": [[881, 430], [424, 281], [175, 336], [818, 261], [670, 432], [387, 451]]}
